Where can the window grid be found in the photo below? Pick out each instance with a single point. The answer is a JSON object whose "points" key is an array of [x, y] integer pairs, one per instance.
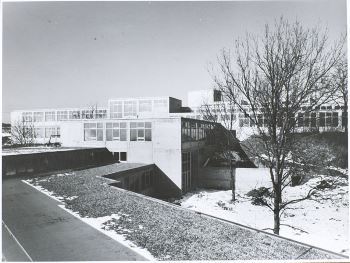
{"points": [[38, 116], [116, 131], [140, 131], [50, 116], [93, 131]]}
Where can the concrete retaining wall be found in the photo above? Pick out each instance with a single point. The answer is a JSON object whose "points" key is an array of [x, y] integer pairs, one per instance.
{"points": [[246, 178], [215, 177], [20, 164]]}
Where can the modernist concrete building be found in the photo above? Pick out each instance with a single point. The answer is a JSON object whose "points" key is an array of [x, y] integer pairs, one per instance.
{"points": [[135, 130]]}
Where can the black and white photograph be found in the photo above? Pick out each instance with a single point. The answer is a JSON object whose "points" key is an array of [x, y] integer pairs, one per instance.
{"points": [[175, 131]]}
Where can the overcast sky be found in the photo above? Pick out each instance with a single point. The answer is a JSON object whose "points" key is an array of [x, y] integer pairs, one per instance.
{"points": [[72, 54]]}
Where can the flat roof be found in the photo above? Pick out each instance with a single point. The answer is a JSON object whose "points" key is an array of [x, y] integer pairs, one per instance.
{"points": [[38, 149]]}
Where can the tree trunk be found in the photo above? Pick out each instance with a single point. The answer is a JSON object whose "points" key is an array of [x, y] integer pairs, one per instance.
{"points": [[345, 112], [276, 222], [276, 210], [233, 180]]}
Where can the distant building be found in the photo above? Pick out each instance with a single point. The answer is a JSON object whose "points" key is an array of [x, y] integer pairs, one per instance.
{"points": [[327, 117]]}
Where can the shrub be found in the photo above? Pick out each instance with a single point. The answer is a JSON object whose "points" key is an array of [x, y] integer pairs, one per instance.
{"points": [[259, 195]]}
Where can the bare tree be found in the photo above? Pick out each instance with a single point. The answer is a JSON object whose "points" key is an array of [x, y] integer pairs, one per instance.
{"points": [[340, 82], [274, 74], [223, 113], [22, 133], [91, 111]]}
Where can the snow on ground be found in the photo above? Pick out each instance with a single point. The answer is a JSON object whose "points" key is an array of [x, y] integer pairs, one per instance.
{"points": [[103, 224], [322, 223]]}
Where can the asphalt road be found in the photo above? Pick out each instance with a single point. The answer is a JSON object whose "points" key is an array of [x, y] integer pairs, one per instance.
{"points": [[35, 228]]}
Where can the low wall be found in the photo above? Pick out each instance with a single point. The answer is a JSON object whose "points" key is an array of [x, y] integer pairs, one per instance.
{"points": [[246, 178], [215, 177], [20, 164]]}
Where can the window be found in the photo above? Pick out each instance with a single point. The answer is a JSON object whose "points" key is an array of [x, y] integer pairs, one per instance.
{"points": [[328, 119], [119, 156], [186, 171], [243, 120], [130, 108], [27, 116], [160, 105], [74, 114], [38, 116], [62, 115], [50, 116], [49, 131], [93, 132], [217, 95], [101, 114], [39, 132], [335, 119], [307, 119], [322, 119], [313, 119], [87, 114], [116, 131], [300, 120], [116, 109], [140, 131], [145, 106], [123, 156]]}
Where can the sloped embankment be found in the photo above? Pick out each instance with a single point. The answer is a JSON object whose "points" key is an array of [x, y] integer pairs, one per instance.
{"points": [[169, 232]]}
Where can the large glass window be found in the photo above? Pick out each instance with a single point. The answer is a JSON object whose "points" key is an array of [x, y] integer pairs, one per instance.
{"points": [[328, 119], [101, 114], [140, 131], [50, 116], [93, 131], [116, 131], [130, 108], [87, 114], [116, 109], [335, 121], [244, 120], [49, 131], [74, 114], [306, 119], [186, 171], [300, 120], [313, 119], [62, 115], [39, 132], [322, 119], [160, 105], [145, 106], [27, 116], [38, 116]]}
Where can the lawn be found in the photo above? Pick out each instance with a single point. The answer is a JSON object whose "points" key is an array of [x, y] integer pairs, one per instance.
{"points": [[322, 221]]}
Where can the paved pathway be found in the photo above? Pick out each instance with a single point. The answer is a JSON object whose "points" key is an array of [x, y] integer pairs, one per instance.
{"points": [[34, 227]]}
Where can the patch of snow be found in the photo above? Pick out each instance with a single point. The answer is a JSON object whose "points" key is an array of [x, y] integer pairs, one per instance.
{"points": [[99, 224], [44, 191], [343, 171], [102, 224], [71, 197], [324, 223], [30, 150]]}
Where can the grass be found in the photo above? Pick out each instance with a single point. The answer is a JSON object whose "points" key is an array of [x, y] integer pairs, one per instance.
{"points": [[168, 232]]}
